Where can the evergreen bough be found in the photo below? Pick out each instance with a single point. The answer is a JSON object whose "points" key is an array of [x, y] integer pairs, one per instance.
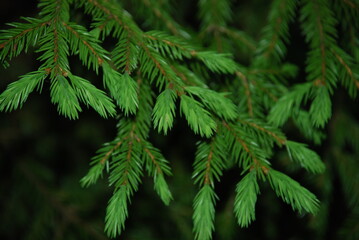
{"points": [[151, 77]]}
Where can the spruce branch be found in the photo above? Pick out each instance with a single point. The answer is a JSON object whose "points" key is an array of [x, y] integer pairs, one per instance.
{"points": [[99, 162], [117, 212], [243, 149], [178, 48], [243, 40], [318, 18], [164, 111], [125, 174], [289, 103], [199, 119], [204, 212], [148, 72], [209, 162], [275, 35], [245, 82], [214, 15], [156, 67], [175, 47], [267, 91], [208, 167], [160, 13], [123, 89], [265, 129], [303, 122], [125, 54], [63, 94], [92, 96], [262, 86], [351, 4], [246, 197], [348, 73], [21, 37], [188, 77], [218, 103], [306, 157], [293, 193], [87, 47], [321, 108], [17, 92], [218, 63], [157, 166]]}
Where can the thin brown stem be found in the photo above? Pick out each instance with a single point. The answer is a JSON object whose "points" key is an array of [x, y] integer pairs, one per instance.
{"points": [[207, 178], [256, 162], [280, 140], [247, 92]]}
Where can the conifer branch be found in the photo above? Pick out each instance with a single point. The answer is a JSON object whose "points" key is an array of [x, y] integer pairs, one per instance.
{"points": [[125, 176], [256, 157], [17, 92], [293, 193], [208, 166], [347, 68], [307, 158], [13, 41], [99, 162], [108, 154], [281, 140], [128, 60], [209, 162], [204, 213], [214, 14], [114, 11], [158, 167], [149, 73], [246, 197], [322, 50], [290, 103], [269, 71], [162, 16], [239, 36], [164, 110], [153, 159], [153, 65], [188, 76], [86, 44], [198, 118], [318, 17], [182, 75], [351, 4], [172, 43], [238, 139], [349, 74], [266, 91], [272, 46], [247, 92]]}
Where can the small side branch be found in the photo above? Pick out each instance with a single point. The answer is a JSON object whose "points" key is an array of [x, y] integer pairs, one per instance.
{"points": [[247, 92], [207, 177], [161, 16], [280, 140], [257, 163], [348, 69]]}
